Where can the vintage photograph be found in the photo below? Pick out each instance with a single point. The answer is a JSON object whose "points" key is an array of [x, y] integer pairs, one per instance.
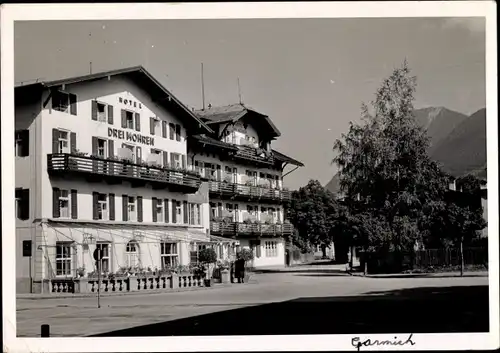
{"points": [[232, 177]]}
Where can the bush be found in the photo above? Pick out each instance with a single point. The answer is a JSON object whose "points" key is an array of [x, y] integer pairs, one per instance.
{"points": [[207, 255], [246, 254]]}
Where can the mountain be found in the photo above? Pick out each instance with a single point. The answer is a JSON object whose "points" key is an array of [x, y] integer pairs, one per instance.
{"points": [[457, 141], [464, 149]]}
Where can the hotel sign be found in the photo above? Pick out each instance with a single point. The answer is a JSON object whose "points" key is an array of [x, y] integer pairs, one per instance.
{"points": [[131, 136]]}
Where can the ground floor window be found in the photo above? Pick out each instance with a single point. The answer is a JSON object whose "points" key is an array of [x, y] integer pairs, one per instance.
{"points": [[63, 258], [132, 254], [105, 263], [169, 255], [271, 248]]}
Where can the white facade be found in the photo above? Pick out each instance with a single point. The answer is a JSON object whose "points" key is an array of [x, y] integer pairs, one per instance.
{"points": [[76, 130]]}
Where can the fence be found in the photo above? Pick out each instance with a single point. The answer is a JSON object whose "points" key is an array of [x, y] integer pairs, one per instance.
{"points": [[426, 260]]}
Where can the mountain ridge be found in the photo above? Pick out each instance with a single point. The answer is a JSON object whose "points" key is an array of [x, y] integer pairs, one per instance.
{"points": [[457, 141]]}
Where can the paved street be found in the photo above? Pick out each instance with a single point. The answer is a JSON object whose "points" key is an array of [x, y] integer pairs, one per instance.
{"points": [[279, 303]]}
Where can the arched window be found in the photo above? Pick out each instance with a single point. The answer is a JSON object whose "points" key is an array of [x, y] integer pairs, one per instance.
{"points": [[132, 254]]}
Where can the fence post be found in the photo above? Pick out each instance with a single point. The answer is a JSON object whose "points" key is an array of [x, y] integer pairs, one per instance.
{"points": [[45, 330]]}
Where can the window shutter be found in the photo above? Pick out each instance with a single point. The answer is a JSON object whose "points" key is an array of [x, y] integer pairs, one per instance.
{"points": [[165, 211], [172, 130], [165, 159], [111, 207], [94, 110], [124, 207], [155, 203], [94, 146], [185, 211], [110, 115], [138, 154], [72, 142], [174, 211], [219, 172], [139, 208], [219, 207], [164, 129], [95, 198], [55, 141], [152, 125], [177, 132], [55, 202], [236, 213], [257, 249], [183, 162], [138, 121], [111, 148], [172, 160], [74, 204], [25, 137], [124, 119], [72, 102]]}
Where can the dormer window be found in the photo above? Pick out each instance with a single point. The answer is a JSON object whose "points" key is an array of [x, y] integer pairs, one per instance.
{"points": [[64, 102]]}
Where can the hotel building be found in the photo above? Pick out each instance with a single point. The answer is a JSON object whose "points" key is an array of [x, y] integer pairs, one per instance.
{"points": [[109, 161], [245, 177]]}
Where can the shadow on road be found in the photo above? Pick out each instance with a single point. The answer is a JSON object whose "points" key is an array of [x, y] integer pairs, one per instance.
{"points": [[416, 310], [313, 270]]}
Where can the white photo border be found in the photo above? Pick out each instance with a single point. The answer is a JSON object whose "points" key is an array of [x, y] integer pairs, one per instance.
{"points": [[144, 11]]}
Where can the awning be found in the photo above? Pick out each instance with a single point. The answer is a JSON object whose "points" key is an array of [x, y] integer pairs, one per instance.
{"points": [[149, 233]]}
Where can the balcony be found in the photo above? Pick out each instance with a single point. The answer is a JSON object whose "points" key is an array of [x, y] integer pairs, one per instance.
{"points": [[253, 154], [224, 189], [234, 229], [116, 171]]}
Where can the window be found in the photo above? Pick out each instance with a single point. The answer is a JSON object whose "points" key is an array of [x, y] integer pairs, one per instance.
{"points": [[101, 148], [63, 258], [251, 209], [64, 207], [213, 210], [129, 118], [105, 256], [172, 131], [22, 141], [132, 214], [132, 254], [176, 160], [155, 128], [101, 112], [271, 249], [178, 208], [194, 214], [168, 255], [22, 204], [199, 167], [60, 101], [129, 152], [63, 141], [102, 206], [159, 210]]}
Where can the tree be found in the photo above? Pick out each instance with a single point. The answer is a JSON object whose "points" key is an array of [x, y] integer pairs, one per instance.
{"points": [[384, 165], [312, 212]]}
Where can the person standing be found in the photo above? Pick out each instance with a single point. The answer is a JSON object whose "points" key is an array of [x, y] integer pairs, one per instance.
{"points": [[239, 269]]}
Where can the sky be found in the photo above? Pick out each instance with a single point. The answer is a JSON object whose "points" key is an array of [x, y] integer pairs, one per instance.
{"points": [[309, 76]]}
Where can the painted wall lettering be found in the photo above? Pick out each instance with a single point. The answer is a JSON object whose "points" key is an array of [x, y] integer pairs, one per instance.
{"points": [[131, 136]]}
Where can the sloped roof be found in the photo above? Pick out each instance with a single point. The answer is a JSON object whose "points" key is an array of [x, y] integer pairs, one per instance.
{"points": [[284, 158], [142, 77], [214, 142], [233, 113]]}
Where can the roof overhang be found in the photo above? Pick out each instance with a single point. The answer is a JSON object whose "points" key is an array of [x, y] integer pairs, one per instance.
{"points": [[284, 158], [143, 78]]}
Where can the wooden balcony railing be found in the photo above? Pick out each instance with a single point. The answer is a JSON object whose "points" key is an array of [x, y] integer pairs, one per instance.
{"points": [[248, 192], [121, 170], [252, 154], [255, 229]]}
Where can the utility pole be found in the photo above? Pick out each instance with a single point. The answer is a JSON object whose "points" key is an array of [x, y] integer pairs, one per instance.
{"points": [[239, 90], [202, 88], [91, 67]]}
